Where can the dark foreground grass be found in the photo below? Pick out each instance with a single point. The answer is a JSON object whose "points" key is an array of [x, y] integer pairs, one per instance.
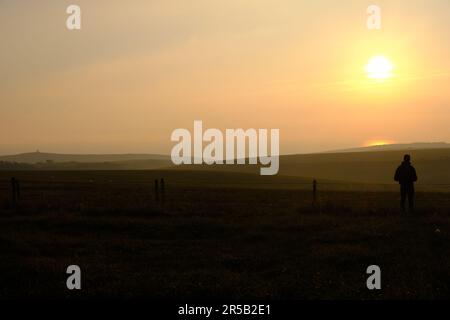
{"points": [[217, 242]]}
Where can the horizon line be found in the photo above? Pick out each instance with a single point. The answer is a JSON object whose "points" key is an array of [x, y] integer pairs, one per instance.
{"points": [[340, 150]]}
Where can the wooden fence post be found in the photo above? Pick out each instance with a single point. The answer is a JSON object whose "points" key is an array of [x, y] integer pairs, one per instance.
{"points": [[163, 190], [13, 192], [314, 192], [156, 190], [17, 189]]}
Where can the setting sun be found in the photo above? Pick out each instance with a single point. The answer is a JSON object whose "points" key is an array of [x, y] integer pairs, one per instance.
{"points": [[379, 67], [378, 142]]}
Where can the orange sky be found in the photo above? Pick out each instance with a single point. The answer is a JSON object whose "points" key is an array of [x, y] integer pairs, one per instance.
{"points": [[138, 70]]}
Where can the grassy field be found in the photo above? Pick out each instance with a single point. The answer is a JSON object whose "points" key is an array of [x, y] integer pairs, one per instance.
{"points": [[216, 235]]}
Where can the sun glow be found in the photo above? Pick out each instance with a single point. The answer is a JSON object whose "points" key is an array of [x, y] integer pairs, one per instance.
{"points": [[379, 67], [380, 142]]}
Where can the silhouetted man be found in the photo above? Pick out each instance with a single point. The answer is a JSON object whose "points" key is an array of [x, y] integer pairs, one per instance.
{"points": [[406, 176]]}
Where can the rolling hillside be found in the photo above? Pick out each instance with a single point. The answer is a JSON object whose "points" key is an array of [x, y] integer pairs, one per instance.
{"points": [[43, 157], [433, 165]]}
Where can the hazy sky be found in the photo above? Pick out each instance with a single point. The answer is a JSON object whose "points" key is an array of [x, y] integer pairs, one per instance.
{"points": [[140, 69]]}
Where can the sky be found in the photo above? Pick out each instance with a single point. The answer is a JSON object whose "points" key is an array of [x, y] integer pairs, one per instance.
{"points": [[137, 70]]}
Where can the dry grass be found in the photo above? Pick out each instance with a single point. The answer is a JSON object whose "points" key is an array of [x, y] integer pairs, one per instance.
{"points": [[215, 242]]}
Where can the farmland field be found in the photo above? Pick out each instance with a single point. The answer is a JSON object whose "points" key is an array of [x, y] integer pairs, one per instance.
{"points": [[216, 235]]}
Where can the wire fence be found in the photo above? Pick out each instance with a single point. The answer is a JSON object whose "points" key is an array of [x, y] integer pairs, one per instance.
{"points": [[15, 191], [36, 184]]}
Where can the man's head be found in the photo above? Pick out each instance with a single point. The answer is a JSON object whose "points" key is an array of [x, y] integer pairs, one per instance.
{"points": [[407, 158]]}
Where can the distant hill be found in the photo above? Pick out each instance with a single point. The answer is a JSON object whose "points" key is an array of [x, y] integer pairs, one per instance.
{"points": [[80, 166], [399, 146], [42, 157], [433, 166], [372, 166]]}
